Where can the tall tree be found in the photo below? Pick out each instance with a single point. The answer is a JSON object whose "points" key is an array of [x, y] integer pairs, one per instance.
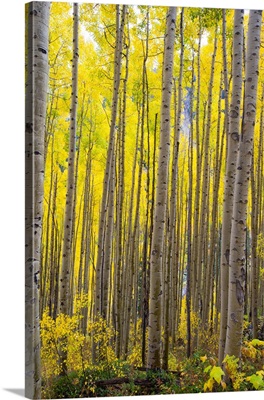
{"points": [[65, 305], [156, 258], [64, 294], [243, 170], [232, 149], [36, 98], [108, 176]]}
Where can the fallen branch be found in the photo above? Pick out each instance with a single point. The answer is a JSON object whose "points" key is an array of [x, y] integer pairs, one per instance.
{"points": [[147, 382], [156, 370], [120, 381]]}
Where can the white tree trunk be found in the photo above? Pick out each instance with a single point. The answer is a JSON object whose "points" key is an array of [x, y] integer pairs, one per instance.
{"points": [[36, 96], [156, 258], [237, 269], [100, 265], [232, 149], [64, 293]]}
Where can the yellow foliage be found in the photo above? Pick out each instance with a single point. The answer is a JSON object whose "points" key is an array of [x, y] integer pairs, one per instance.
{"points": [[232, 369], [223, 384], [63, 334], [60, 335], [251, 349], [183, 322], [260, 245], [256, 380], [135, 352], [209, 385], [101, 333], [216, 374], [80, 302]]}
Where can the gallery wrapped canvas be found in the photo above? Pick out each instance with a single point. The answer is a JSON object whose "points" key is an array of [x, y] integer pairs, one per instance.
{"points": [[144, 200]]}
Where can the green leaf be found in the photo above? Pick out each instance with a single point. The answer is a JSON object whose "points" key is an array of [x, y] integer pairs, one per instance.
{"points": [[207, 368], [256, 381], [217, 373], [257, 342]]}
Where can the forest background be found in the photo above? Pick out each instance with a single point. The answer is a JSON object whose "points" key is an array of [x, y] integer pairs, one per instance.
{"points": [[12, 198]]}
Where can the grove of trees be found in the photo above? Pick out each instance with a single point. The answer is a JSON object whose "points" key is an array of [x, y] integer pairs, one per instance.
{"points": [[144, 199]]}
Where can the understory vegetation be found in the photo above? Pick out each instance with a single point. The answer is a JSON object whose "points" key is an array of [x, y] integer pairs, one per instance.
{"points": [[110, 376]]}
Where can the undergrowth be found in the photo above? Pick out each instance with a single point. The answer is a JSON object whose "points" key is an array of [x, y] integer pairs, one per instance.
{"points": [[94, 371]]}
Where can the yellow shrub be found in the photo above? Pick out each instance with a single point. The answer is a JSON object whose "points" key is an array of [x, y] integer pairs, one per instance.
{"points": [[182, 330], [102, 334], [63, 334], [57, 335], [260, 245]]}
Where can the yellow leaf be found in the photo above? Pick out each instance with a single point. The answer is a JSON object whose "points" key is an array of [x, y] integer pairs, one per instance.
{"points": [[223, 384], [203, 358], [209, 385], [216, 373]]}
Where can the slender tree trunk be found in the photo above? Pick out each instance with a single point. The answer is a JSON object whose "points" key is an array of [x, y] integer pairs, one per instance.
{"points": [[232, 149], [198, 182], [64, 293], [171, 266], [109, 161], [154, 359], [36, 99], [52, 263], [145, 251], [213, 229], [119, 256], [254, 264], [243, 169], [65, 273], [202, 262], [189, 229], [127, 273]]}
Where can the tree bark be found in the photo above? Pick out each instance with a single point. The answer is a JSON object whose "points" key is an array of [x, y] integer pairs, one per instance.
{"points": [[36, 99], [232, 149], [243, 170], [107, 175], [64, 292], [156, 258]]}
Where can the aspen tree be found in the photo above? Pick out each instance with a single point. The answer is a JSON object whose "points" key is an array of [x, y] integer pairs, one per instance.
{"points": [[76, 221], [254, 265], [107, 174], [65, 305], [120, 215], [243, 169], [145, 310], [65, 274], [172, 248], [210, 277], [127, 273], [198, 181], [120, 198], [156, 258], [36, 99], [202, 261], [48, 243], [230, 170], [52, 257], [145, 250], [189, 207], [256, 215]]}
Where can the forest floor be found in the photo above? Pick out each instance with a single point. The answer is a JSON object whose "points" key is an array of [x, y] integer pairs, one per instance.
{"points": [[196, 374]]}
